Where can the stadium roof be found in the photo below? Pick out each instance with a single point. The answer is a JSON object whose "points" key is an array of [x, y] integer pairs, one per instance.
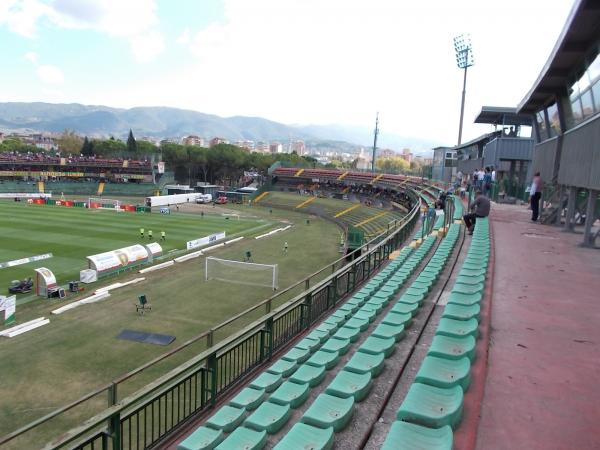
{"points": [[580, 31], [497, 115], [483, 138]]}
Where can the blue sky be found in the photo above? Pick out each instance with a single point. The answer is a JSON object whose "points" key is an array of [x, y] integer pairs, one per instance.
{"points": [[293, 61]]}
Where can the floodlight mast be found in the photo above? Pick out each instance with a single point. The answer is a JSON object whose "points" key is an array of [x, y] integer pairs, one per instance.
{"points": [[375, 142], [464, 60]]}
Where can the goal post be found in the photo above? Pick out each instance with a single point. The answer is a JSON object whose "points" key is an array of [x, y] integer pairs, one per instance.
{"points": [[241, 272], [104, 203]]}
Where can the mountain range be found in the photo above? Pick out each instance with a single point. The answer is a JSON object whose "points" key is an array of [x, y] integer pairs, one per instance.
{"points": [[165, 122]]}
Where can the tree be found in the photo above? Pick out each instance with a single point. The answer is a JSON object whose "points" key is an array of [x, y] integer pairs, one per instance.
{"points": [[69, 142], [108, 148], [145, 148], [87, 149], [131, 144], [392, 164]]}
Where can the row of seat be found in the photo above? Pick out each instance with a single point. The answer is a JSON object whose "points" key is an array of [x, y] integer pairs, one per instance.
{"points": [[433, 405], [438, 224], [304, 367], [458, 208]]}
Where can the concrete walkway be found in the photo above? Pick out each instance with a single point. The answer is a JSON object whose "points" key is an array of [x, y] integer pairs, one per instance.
{"points": [[543, 378]]}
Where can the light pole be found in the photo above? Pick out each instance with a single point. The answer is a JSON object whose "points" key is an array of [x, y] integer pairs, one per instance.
{"points": [[464, 60], [375, 142]]}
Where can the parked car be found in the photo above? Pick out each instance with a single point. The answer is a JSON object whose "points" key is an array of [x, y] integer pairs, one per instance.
{"points": [[221, 200]]}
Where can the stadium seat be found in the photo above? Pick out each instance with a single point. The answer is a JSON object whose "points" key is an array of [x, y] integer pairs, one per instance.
{"points": [[396, 318], [269, 417], [460, 312], [283, 367], [366, 363], [431, 406], [459, 298], [202, 438], [248, 398], [244, 438], [323, 358], [347, 333], [298, 355], [306, 373], [302, 436], [309, 344], [386, 331], [408, 436], [452, 347], [468, 288], [445, 373], [267, 381], [329, 411], [227, 418], [458, 328], [336, 345], [412, 298], [350, 384], [374, 345], [292, 394], [361, 324]]}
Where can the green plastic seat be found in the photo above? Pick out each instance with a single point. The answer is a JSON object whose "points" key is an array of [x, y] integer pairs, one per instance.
{"points": [[347, 333], [298, 355], [374, 345], [319, 335], [422, 284], [471, 265], [350, 384], [431, 406], [329, 411], [323, 358], [411, 299], [327, 328], [452, 347], [340, 315], [445, 373], [244, 438], [417, 291], [427, 276], [366, 363], [283, 367], [336, 345], [269, 417], [458, 328], [361, 324], [227, 418], [306, 437], [458, 298], [395, 318], [306, 373], [382, 299], [308, 344], [356, 301], [203, 438], [248, 398], [460, 312], [348, 308], [408, 436], [292, 394], [267, 381], [373, 305], [368, 314], [386, 331], [335, 321], [468, 288]]}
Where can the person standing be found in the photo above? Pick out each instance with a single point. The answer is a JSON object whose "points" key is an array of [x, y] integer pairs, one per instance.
{"points": [[535, 195], [142, 233], [487, 182], [285, 247], [163, 236], [150, 234], [480, 208]]}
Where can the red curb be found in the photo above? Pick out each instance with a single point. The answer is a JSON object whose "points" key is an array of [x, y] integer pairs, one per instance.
{"points": [[465, 437]]}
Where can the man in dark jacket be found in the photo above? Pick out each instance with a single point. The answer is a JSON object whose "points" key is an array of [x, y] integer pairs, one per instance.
{"points": [[479, 208]]}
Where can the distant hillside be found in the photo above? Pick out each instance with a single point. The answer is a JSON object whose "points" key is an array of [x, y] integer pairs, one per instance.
{"points": [[164, 122]]}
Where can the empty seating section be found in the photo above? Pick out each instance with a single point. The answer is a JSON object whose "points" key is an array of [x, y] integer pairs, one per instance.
{"points": [[264, 406], [458, 208], [433, 405]]}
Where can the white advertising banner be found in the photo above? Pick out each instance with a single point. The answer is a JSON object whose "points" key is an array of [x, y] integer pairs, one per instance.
{"points": [[9, 306], [205, 240], [154, 248], [18, 262], [115, 259], [25, 195]]}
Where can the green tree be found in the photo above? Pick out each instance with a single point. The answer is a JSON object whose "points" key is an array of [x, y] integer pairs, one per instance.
{"points": [[109, 148], [87, 149], [131, 143], [392, 164], [69, 142], [145, 148]]}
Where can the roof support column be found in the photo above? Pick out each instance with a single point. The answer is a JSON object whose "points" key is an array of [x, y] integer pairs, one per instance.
{"points": [[590, 218], [571, 204]]}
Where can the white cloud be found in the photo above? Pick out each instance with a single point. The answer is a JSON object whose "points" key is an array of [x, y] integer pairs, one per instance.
{"points": [[50, 74], [32, 57], [133, 20], [185, 37], [146, 47]]}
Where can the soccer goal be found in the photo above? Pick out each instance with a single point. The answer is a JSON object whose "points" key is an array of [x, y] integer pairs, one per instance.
{"points": [[242, 272], [104, 203]]}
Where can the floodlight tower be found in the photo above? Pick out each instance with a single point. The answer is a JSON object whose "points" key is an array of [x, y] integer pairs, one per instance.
{"points": [[375, 142], [464, 60]]}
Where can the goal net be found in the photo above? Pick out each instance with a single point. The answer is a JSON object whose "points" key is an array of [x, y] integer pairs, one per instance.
{"points": [[242, 272], [104, 203]]}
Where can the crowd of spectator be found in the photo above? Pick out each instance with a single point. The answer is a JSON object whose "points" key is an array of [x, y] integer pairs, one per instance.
{"points": [[43, 158]]}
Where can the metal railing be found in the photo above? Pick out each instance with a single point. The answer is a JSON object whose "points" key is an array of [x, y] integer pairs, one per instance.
{"points": [[143, 418]]}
